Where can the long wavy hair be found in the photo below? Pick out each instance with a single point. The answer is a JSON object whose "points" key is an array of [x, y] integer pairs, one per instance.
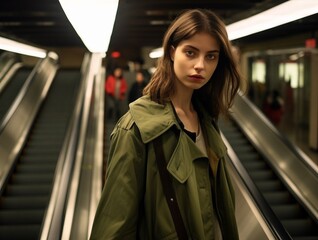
{"points": [[217, 95]]}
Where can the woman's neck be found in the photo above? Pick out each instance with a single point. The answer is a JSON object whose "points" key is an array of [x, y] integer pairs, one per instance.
{"points": [[186, 112], [182, 102]]}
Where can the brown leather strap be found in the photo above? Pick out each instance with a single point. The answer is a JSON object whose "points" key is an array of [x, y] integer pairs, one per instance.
{"points": [[169, 191]]}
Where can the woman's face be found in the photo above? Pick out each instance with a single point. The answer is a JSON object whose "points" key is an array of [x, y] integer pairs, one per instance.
{"points": [[195, 60]]}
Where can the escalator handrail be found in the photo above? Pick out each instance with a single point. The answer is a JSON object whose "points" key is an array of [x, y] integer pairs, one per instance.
{"points": [[8, 77], [9, 59], [97, 181], [268, 215], [21, 94]]}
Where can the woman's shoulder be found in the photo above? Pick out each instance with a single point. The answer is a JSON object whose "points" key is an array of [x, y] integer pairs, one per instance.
{"points": [[150, 117], [138, 109]]}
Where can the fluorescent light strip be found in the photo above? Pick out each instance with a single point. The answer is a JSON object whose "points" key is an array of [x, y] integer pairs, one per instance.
{"points": [[281, 14], [93, 20], [13, 46]]}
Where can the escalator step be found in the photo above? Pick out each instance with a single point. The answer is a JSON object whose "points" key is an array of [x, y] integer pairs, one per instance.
{"points": [[31, 168], [269, 186], [250, 157], [232, 131], [54, 145], [278, 198], [19, 232], [45, 136], [299, 227], [58, 117], [243, 149], [35, 148], [23, 202], [40, 151], [262, 175], [32, 178], [288, 211], [27, 190], [256, 165], [239, 142], [51, 130], [48, 137], [37, 159], [10, 217]]}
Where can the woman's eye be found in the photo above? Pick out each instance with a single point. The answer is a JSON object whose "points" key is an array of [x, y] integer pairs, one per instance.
{"points": [[189, 53], [211, 56]]}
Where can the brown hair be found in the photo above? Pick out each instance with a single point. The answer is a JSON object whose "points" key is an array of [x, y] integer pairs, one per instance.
{"points": [[218, 94]]}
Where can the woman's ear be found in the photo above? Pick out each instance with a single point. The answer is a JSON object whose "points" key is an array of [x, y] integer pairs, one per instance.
{"points": [[172, 52]]}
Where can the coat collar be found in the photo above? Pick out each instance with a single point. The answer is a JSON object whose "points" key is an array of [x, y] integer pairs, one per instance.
{"points": [[153, 119]]}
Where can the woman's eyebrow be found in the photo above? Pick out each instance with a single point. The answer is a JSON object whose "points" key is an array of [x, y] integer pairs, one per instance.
{"points": [[197, 49]]}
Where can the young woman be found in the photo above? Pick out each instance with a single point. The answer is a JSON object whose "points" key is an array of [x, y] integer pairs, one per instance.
{"points": [[196, 81]]}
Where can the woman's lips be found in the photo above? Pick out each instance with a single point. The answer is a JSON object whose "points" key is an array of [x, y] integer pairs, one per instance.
{"points": [[196, 77]]}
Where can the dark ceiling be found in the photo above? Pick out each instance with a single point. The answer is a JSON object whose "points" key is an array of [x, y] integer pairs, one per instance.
{"points": [[43, 23]]}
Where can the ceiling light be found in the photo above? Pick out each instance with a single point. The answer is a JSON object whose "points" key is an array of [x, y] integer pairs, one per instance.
{"points": [[156, 53], [159, 22], [155, 13], [13, 46], [281, 14], [45, 23], [93, 20]]}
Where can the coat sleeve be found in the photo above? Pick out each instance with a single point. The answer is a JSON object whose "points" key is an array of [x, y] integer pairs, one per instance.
{"points": [[117, 213], [109, 86]]}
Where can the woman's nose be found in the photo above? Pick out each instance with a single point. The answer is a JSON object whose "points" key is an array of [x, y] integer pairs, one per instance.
{"points": [[199, 64]]}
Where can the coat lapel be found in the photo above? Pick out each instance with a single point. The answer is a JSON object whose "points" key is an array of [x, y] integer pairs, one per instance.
{"points": [[178, 165]]}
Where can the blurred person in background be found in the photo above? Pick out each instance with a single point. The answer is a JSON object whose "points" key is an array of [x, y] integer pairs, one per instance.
{"points": [[274, 107], [115, 89], [137, 87]]}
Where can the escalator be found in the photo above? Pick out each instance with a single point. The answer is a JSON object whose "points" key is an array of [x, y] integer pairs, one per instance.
{"points": [[10, 92], [26, 195], [295, 218]]}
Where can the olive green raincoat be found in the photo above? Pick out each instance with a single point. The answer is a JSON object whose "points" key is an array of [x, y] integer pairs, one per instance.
{"points": [[133, 205]]}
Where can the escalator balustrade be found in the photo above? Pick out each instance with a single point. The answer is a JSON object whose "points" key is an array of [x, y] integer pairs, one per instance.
{"points": [[289, 211]]}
